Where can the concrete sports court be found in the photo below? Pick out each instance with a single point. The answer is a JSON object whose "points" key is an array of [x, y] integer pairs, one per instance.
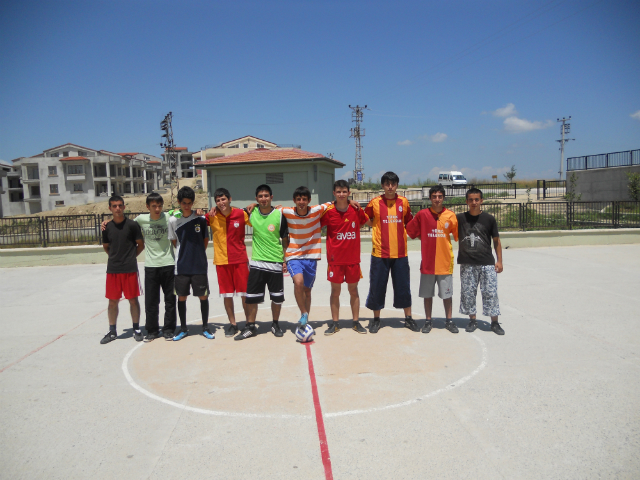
{"points": [[557, 397]]}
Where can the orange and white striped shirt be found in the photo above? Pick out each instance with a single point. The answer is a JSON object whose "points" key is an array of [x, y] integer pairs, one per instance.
{"points": [[304, 232]]}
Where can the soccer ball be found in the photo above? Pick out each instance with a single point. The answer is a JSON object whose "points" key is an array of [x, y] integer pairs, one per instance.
{"points": [[305, 333]]}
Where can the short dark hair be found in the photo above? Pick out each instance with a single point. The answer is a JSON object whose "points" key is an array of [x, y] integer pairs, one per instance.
{"points": [[473, 191], [341, 183], [221, 192], [154, 197], [389, 177], [262, 188], [437, 188], [302, 192], [116, 198], [188, 193]]}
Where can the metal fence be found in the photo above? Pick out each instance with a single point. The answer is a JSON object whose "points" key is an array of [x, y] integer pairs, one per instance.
{"points": [[551, 189], [489, 190], [604, 160], [85, 229]]}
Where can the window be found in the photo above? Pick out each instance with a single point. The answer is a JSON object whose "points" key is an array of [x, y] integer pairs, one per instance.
{"points": [[65, 154], [119, 171], [82, 153], [234, 146], [77, 187], [260, 145], [35, 191], [53, 189], [59, 203], [146, 158], [273, 178], [54, 154], [53, 171], [112, 171], [16, 196], [75, 169], [32, 173], [127, 188], [245, 145]]}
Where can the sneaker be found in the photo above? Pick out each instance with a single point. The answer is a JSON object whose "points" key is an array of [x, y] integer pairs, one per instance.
{"points": [[109, 337], [449, 325], [137, 335], [333, 328], [231, 331], [207, 333], [150, 337], [168, 335], [497, 329], [410, 323], [358, 328], [180, 335], [427, 327], [471, 326], [249, 330], [303, 319], [374, 326], [276, 330]]}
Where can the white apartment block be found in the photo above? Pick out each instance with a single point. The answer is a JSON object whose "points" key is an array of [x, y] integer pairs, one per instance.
{"points": [[184, 163], [70, 175]]}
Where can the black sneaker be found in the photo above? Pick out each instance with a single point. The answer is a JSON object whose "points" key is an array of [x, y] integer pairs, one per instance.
{"points": [[333, 328], [471, 326], [249, 330], [276, 330], [410, 323], [137, 335], [109, 337], [497, 329], [427, 327], [231, 331], [358, 328], [449, 325], [168, 335], [374, 326], [150, 337]]}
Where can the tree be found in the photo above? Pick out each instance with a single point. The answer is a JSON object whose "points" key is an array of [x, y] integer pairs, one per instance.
{"points": [[510, 175], [634, 186]]}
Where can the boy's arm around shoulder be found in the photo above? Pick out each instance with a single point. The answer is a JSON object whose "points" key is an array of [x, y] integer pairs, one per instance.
{"points": [[413, 227]]}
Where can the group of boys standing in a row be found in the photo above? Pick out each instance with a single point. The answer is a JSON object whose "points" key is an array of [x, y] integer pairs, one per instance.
{"points": [[288, 239]]}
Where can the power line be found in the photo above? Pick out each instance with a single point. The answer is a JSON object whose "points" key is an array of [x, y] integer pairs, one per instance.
{"points": [[564, 129]]}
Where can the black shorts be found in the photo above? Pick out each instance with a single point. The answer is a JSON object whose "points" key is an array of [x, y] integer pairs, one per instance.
{"points": [[199, 284], [257, 281]]}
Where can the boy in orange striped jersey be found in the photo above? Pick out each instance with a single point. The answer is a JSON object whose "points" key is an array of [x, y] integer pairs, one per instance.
{"points": [[434, 225], [388, 214], [229, 253]]}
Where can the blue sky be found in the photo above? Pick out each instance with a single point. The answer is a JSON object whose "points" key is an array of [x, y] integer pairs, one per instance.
{"points": [[475, 85]]}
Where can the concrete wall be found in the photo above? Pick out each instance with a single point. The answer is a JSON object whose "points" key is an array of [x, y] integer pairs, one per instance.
{"points": [[602, 184], [242, 180]]}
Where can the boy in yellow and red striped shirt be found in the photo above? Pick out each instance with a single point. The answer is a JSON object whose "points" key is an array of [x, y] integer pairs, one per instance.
{"points": [[388, 214]]}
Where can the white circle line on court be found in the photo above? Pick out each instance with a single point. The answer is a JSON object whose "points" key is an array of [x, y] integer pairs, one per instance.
{"points": [[182, 406]]}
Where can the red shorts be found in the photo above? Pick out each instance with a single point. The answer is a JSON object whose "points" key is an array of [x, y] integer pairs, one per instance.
{"points": [[119, 283], [344, 273], [232, 279]]}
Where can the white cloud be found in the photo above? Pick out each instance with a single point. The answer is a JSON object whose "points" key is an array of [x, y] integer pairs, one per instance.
{"points": [[509, 110], [405, 142], [346, 175], [438, 137], [521, 125], [636, 115]]}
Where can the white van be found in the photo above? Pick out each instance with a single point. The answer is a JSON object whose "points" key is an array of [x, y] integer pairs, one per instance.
{"points": [[451, 178]]}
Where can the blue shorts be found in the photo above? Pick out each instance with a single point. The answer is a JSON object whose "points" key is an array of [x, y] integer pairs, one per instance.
{"points": [[306, 267], [378, 278]]}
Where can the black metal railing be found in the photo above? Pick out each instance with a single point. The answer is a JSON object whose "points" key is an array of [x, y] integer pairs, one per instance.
{"points": [[489, 190], [551, 189], [604, 160]]}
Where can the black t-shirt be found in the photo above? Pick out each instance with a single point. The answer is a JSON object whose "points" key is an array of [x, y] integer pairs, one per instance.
{"points": [[475, 234], [121, 238]]}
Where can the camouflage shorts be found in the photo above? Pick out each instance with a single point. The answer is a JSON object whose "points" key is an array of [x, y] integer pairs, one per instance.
{"points": [[470, 277]]}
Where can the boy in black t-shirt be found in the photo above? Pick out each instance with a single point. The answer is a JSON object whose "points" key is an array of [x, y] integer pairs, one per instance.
{"points": [[122, 240], [477, 265]]}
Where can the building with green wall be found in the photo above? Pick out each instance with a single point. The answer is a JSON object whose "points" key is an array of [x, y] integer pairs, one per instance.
{"points": [[283, 170]]}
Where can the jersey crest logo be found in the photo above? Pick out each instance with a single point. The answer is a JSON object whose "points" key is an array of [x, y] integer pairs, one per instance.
{"points": [[331, 274], [198, 228], [353, 224], [400, 208], [446, 225], [236, 224], [271, 227]]}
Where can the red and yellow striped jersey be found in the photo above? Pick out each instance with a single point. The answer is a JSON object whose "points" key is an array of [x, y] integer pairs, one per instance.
{"points": [[228, 236], [304, 232], [434, 230], [389, 218]]}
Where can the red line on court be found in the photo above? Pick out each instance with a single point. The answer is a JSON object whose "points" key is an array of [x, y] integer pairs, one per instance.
{"points": [[324, 446], [50, 342]]}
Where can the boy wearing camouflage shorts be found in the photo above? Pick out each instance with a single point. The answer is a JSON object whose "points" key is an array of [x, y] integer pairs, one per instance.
{"points": [[477, 264]]}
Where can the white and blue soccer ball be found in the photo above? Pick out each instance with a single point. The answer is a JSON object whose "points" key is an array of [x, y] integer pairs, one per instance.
{"points": [[305, 334]]}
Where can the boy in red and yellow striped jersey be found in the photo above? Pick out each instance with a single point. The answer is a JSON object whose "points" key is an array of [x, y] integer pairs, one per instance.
{"points": [[434, 226], [229, 253], [388, 214]]}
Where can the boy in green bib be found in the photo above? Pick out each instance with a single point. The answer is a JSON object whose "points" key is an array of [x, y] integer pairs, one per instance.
{"points": [[265, 267]]}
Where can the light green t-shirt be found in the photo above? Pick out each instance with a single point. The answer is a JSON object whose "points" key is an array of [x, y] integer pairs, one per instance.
{"points": [[158, 250], [267, 232]]}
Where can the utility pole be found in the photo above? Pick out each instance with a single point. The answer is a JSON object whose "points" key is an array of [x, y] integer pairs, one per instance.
{"points": [[170, 153], [564, 129], [357, 132]]}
